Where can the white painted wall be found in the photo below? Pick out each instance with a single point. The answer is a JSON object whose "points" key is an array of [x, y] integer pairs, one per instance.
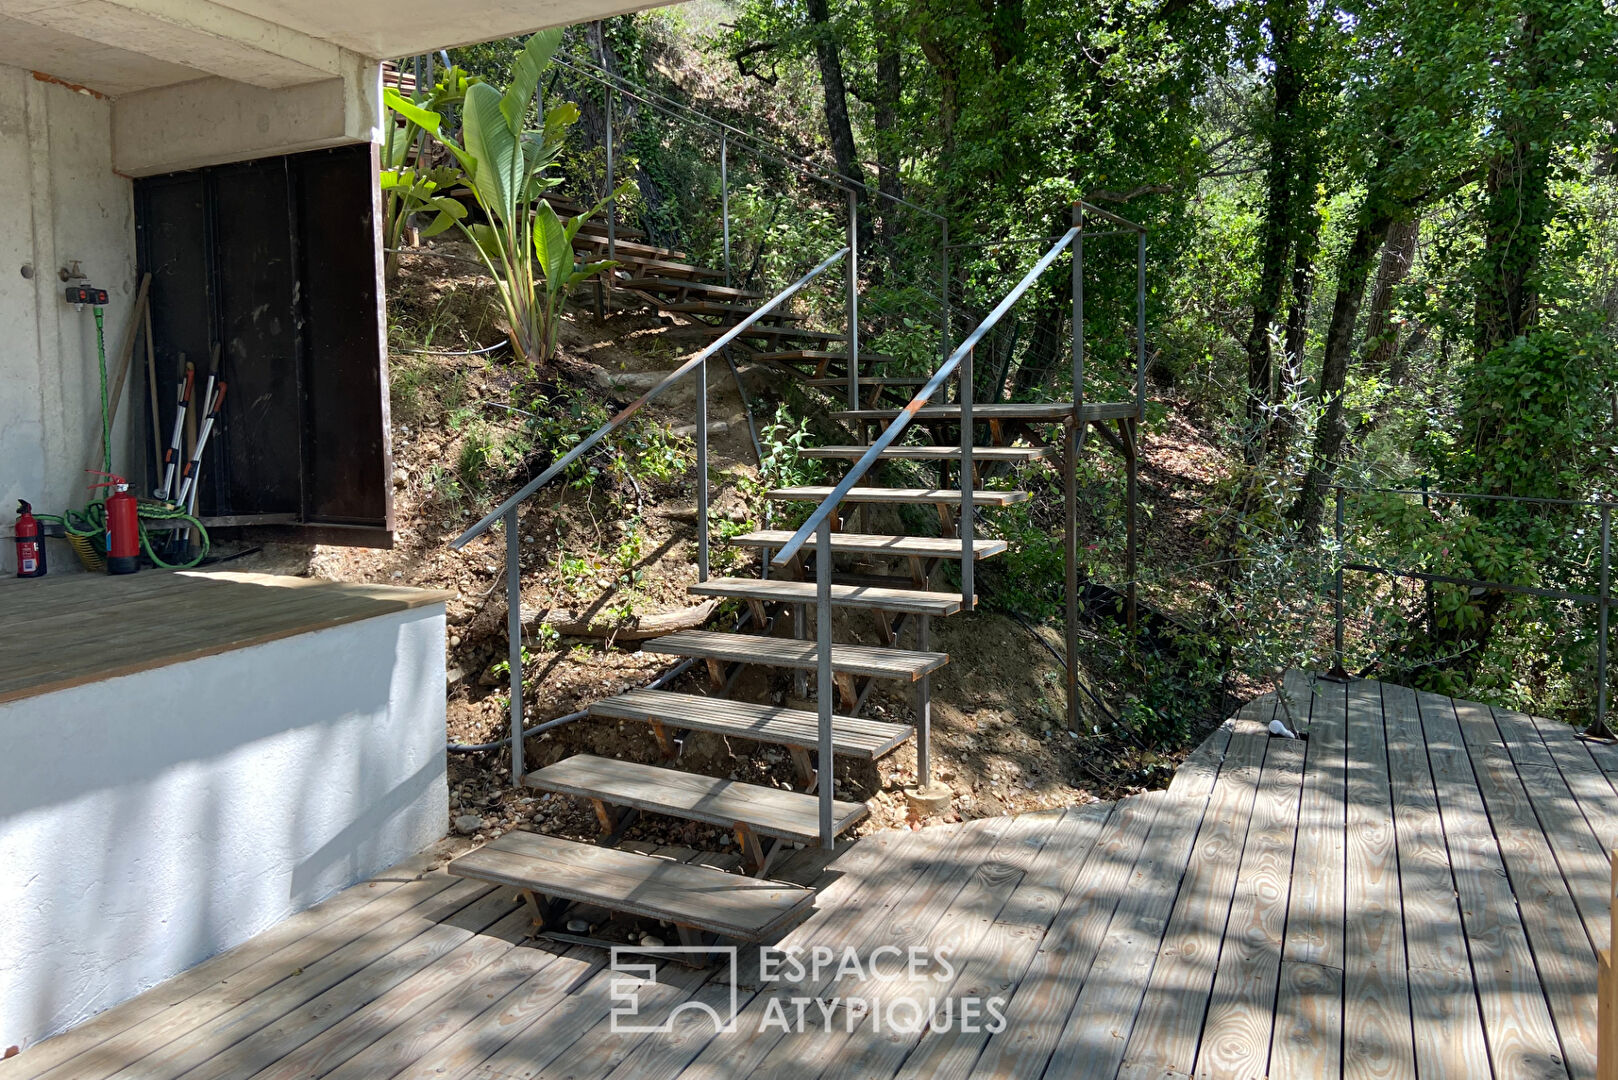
{"points": [[63, 202], [151, 821]]}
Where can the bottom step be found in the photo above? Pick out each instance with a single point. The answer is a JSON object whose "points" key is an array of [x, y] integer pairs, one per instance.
{"points": [[697, 896]]}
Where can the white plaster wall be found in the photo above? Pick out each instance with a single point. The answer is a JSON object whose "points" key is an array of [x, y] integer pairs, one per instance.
{"points": [[151, 821], [63, 202], [213, 121]]}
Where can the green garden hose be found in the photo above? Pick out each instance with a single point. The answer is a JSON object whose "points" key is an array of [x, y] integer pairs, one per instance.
{"points": [[86, 532]]}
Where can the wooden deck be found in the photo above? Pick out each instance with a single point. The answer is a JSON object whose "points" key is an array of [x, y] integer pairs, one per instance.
{"points": [[1414, 891]]}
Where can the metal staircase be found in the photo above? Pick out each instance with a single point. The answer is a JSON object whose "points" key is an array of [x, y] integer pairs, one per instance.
{"points": [[800, 588]]}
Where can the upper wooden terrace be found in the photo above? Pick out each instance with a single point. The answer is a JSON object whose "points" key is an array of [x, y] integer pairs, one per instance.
{"points": [[1414, 891]]}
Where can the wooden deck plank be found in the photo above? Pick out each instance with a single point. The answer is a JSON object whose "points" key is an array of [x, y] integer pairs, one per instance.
{"points": [[920, 865], [1590, 786], [1093, 1044], [1307, 1038], [956, 933], [1444, 1011], [1010, 944], [1236, 1034], [1378, 1039], [1040, 1006], [1563, 955], [1516, 1018], [435, 987], [195, 995], [1166, 1030], [254, 997], [234, 1053]]}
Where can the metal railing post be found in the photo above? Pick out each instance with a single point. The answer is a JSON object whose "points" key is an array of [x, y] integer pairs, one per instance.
{"points": [[612, 205], [702, 471], [968, 478], [1427, 586], [943, 275], [1140, 324], [924, 706], [1603, 606], [824, 690], [1078, 309], [1072, 432], [853, 300], [1337, 666], [514, 639], [724, 197]]}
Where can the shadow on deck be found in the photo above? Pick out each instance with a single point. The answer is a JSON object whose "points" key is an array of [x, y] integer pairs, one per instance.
{"points": [[1415, 889]]}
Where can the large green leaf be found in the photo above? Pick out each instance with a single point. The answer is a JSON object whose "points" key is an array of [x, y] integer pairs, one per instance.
{"points": [[553, 246], [497, 178], [526, 70], [412, 112]]}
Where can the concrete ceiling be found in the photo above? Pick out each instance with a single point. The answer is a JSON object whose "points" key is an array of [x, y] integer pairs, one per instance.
{"points": [[119, 46]]}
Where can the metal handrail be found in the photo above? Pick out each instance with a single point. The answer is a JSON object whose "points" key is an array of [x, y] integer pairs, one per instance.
{"points": [[508, 509], [824, 511], [623, 417]]}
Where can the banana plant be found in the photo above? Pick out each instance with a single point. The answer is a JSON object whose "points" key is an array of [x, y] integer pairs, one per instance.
{"points": [[408, 184], [507, 166]]}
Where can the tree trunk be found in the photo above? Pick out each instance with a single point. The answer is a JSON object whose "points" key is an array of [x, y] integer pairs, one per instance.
{"points": [[831, 80], [888, 149], [1280, 216], [1296, 344], [1381, 335], [1353, 274]]}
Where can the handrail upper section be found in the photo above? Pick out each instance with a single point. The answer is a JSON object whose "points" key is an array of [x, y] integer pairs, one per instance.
{"points": [[900, 422], [634, 407]]}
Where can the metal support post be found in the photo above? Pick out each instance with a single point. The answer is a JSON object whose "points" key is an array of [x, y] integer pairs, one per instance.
{"points": [[964, 527], [943, 281], [612, 205], [702, 471], [1140, 325], [1078, 309], [924, 706], [824, 692], [853, 300], [1072, 430], [1603, 606], [1427, 586], [514, 639], [1337, 670], [724, 197], [1132, 492]]}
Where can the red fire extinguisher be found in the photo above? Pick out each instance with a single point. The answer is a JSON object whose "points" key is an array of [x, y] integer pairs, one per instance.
{"points": [[30, 542], [123, 526]]}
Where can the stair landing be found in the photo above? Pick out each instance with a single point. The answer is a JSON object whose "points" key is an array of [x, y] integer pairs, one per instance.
{"points": [[1421, 879]]}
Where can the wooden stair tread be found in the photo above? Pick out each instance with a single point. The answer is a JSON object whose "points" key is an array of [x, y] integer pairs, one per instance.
{"points": [[817, 355], [862, 660], [646, 885], [922, 547], [710, 307], [760, 330], [676, 270], [1043, 411], [598, 241], [673, 285], [913, 496], [895, 380], [852, 736], [935, 453], [898, 601], [1055, 410], [789, 815]]}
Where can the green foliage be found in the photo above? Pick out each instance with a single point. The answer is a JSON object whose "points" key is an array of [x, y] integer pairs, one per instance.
{"points": [[507, 165]]}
